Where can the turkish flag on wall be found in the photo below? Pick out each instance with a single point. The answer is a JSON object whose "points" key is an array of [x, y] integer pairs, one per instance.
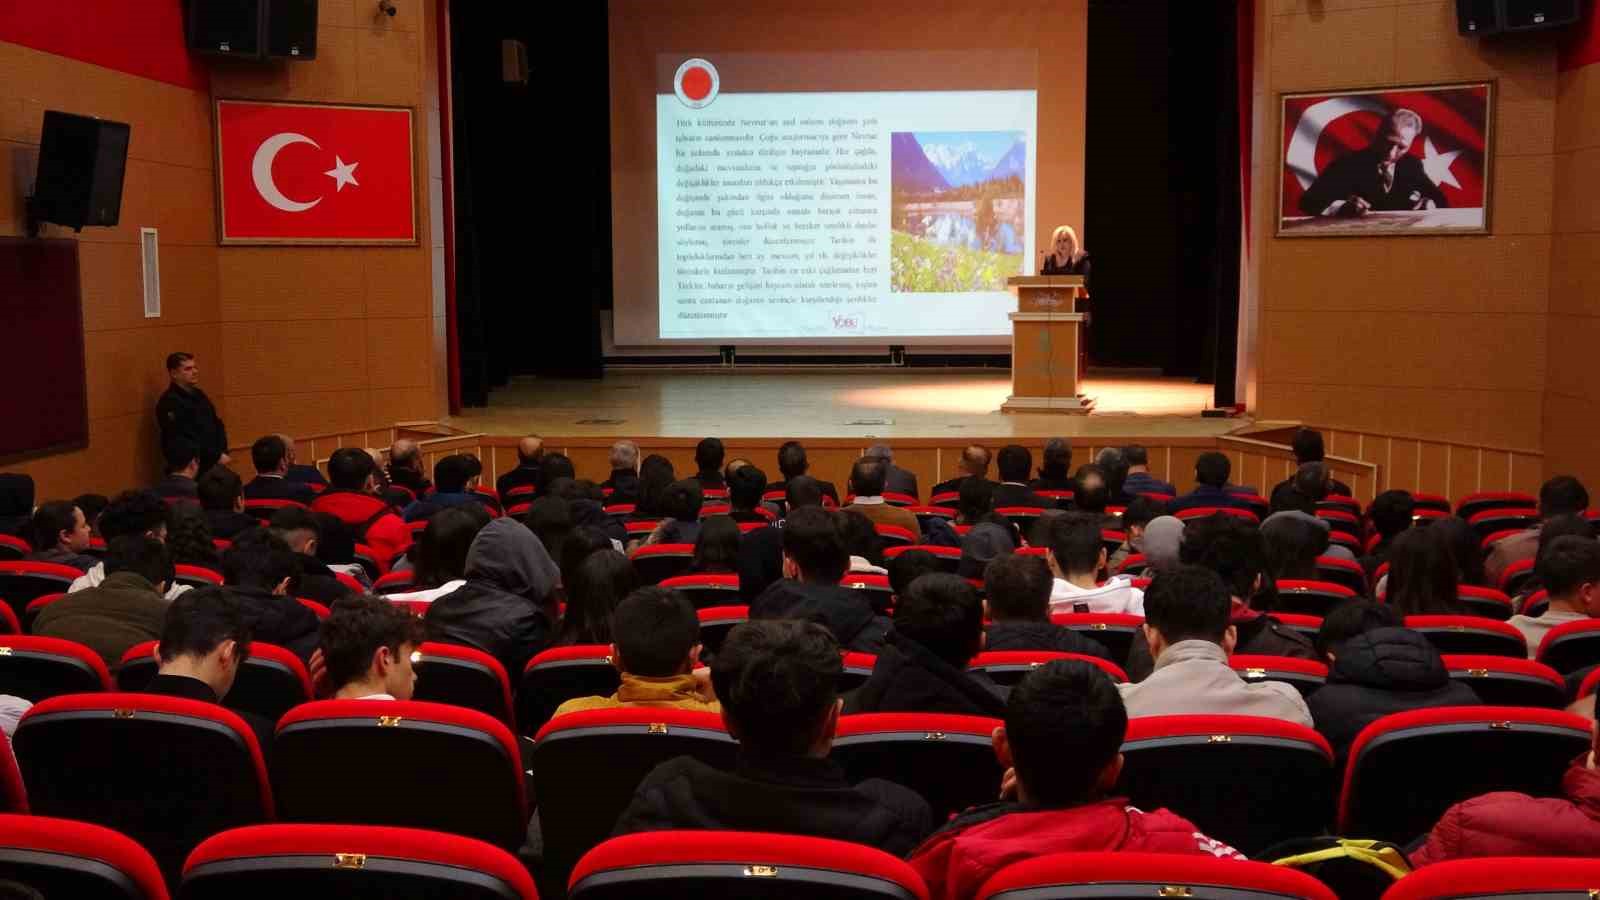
{"points": [[308, 173]]}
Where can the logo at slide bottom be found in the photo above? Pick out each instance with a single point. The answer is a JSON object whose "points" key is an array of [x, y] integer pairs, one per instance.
{"points": [[696, 83], [847, 322]]}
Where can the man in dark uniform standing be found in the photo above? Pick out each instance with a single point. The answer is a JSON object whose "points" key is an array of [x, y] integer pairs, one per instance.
{"points": [[1383, 177], [186, 416]]}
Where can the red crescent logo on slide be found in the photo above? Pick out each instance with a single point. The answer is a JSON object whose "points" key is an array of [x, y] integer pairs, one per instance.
{"points": [[696, 83]]}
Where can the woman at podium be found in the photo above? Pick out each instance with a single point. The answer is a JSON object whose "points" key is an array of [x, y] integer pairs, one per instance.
{"points": [[1066, 256]]}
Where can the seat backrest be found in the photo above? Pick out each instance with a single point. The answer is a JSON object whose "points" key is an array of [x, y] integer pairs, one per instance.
{"points": [[857, 669], [1125, 876], [948, 558], [875, 589], [14, 548], [655, 563], [139, 664], [351, 861], [666, 863], [1206, 512], [400, 762], [1306, 625], [948, 759], [1305, 675], [1472, 504], [1229, 775], [373, 562], [165, 771], [1484, 601], [1406, 769], [464, 676], [35, 668], [1505, 519], [586, 766], [1544, 878], [705, 590], [1312, 598], [1470, 634], [1571, 646], [716, 622], [560, 674], [1007, 667], [22, 581], [197, 576], [1134, 564], [394, 583], [62, 858], [1342, 572], [1515, 576], [1117, 631], [1503, 681], [895, 535], [271, 682]]}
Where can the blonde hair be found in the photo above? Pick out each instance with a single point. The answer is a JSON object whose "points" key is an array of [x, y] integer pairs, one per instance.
{"points": [[1069, 232]]}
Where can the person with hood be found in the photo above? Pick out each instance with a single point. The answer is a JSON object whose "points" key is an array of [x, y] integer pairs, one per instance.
{"points": [[354, 500], [1018, 589], [1376, 667], [263, 573], [1161, 542], [1077, 554], [814, 560], [938, 629], [16, 503], [501, 608], [985, 543], [441, 553]]}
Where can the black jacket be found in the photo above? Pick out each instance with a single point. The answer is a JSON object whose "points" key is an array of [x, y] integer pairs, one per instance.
{"points": [[187, 688], [953, 486], [909, 678], [317, 581], [1259, 635], [177, 486], [1020, 495], [187, 419], [279, 620], [272, 487], [1382, 671], [900, 481], [500, 608], [518, 477], [225, 523], [1042, 636], [790, 795], [841, 610], [1357, 174], [624, 485], [306, 475], [760, 561], [827, 488]]}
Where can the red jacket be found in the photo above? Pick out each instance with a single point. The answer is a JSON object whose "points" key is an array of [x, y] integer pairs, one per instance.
{"points": [[959, 858], [374, 521], [1511, 824]]}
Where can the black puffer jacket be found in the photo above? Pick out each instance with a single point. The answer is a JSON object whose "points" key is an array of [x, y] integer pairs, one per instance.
{"points": [[499, 610], [908, 677], [276, 619], [844, 612], [1022, 635], [1383, 671]]}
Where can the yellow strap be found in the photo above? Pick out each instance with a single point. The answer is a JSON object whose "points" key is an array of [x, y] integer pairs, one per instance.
{"points": [[1388, 859]]}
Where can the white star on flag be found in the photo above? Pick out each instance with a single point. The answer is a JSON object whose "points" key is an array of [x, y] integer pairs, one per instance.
{"points": [[1437, 164], [344, 173]]}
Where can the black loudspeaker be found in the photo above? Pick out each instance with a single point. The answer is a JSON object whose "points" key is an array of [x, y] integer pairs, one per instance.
{"points": [[1478, 17], [291, 29], [81, 164], [226, 27], [1527, 15]]}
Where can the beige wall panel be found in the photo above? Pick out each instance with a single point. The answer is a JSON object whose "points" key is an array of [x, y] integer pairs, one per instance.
{"points": [[318, 412], [398, 350], [1574, 275], [389, 69], [1495, 472], [270, 284], [126, 373], [287, 357], [1578, 109], [1577, 172], [1384, 349], [396, 282], [401, 404], [1333, 49]]}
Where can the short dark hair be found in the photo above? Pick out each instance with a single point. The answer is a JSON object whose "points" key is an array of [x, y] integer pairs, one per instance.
{"points": [[777, 679], [654, 629], [260, 560], [358, 625], [1227, 546], [746, 484], [1014, 462], [174, 360], [942, 612], [974, 499], [1292, 544], [178, 456], [143, 556], [1313, 480], [813, 539], [219, 488], [1569, 563], [1353, 617], [1186, 603], [802, 491], [792, 460], [867, 476], [1142, 511], [1076, 542], [198, 621], [451, 473], [553, 466], [267, 453], [1065, 722], [441, 553], [708, 454], [349, 467], [860, 535], [1562, 495], [682, 500], [295, 518], [1018, 588], [1212, 469], [1287, 497], [1562, 526], [1136, 455], [1057, 462], [1391, 512], [1307, 445], [92, 505], [132, 512], [909, 566], [48, 521]]}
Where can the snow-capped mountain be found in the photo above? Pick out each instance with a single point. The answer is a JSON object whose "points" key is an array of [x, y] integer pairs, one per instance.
{"points": [[960, 164]]}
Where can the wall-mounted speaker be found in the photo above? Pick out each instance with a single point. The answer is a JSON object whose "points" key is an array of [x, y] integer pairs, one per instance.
{"points": [[254, 29], [81, 164], [1480, 17], [291, 29]]}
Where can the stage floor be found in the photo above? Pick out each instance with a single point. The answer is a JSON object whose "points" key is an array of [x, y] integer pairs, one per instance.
{"points": [[836, 403]]}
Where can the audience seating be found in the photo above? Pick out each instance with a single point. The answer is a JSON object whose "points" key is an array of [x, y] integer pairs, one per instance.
{"points": [[1249, 782], [716, 622], [1206, 512], [948, 499], [1134, 564], [35, 668], [1536, 878], [271, 681], [705, 590], [1536, 603], [76, 860], [747, 527], [13, 793], [321, 612], [714, 493], [948, 558], [925, 514], [560, 674], [521, 509], [1470, 635], [715, 509], [586, 766], [13, 549], [1483, 601], [1021, 517], [895, 536], [394, 583], [464, 676], [1342, 572], [263, 510], [22, 582], [374, 565], [1503, 681], [897, 499], [1473, 504], [1312, 598], [1406, 769], [1341, 502], [400, 762], [948, 759], [1124, 876], [1431, 502], [1571, 646], [741, 864], [1111, 539], [1306, 625], [1305, 675], [1007, 667], [1255, 503], [165, 771], [1590, 683], [29, 615], [418, 608], [875, 588], [1347, 541], [1341, 522], [1117, 631], [655, 563], [351, 861], [1516, 577], [1506, 519], [857, 669], [197, 576]]}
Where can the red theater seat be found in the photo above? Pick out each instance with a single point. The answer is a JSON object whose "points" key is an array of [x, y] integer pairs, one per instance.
{"points": [[706, 590], [1470, 635], [1406, 769], [1341, 521], [1473, 504], [1311, 598], [1503, 681], [948, 558], [1341, 502], [35, 668], [350, 582], [1304, 675], [1508, 520], [1430, 502], [656, 563], [401, 762], [1535, 878], [1123, 876], [874, 588], [947, 759], [29, 615], [1022, 517], [23, 582], [263, 510], [948, 499], [561, 674], [1516, 576], [1231, 775], [1486, 602], [741, 864], [77, 860], [716, 622], [1117, 631], [1571, 646], [197, 576], [374, 564], [351, 861], [1342, 572], [1009, 666], [463, 676], [394, 583], [1206, 512], [857, 669], [715, 509], [1134, 564], [13, 549], [895, 536]]}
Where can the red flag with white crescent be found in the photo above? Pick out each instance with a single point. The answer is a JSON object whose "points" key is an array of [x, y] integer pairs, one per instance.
{"points": [[309, 173]]}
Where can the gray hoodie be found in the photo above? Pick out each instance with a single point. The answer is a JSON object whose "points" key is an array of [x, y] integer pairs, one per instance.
{"points": [[500, 610]]}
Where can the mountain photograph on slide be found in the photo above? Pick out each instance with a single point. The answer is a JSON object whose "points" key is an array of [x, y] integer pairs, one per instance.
{"points": [[957, 210]]}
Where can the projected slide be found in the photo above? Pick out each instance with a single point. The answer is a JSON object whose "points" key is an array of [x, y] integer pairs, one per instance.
{"points": [[863, 214]]}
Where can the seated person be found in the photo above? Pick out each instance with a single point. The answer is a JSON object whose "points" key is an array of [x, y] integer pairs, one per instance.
{"points": [[814, 560], [92, 505], [746, 484], [405, 469], [130, 512], [716, 550], [270, 456], [1055, 470], [439, 563], [778, 684], [1139, 513], [655, 645], [1186, 625], [1211, 473], [205, 638], [792, 464], [126, 608], [530, 455], [866, 485], [353, 499], [183, 466], [1018, 589], [298, 473], [708, 456], [1091, 492], [681, 503], [862, 542], [1076, 555], [262, 573], [623, 482], [301, 529], [1015, 463], [452, 481], [596, 587], [938, 629], [1061, 742], [59, 533], [1569, 569], [1293, 542], [986, 542], [553, 467], [1162, 542], [1140, 480], [908, 567], [1390, 514], [368, 646], [1562, 495], [222, 498], [974, 463], [501, 609]]}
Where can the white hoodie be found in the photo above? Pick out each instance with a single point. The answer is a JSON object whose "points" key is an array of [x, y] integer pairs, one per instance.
{"points": [[1115, 596]]}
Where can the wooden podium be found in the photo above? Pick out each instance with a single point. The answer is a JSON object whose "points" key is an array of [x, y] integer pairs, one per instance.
{"points": [[1046, 334]]}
